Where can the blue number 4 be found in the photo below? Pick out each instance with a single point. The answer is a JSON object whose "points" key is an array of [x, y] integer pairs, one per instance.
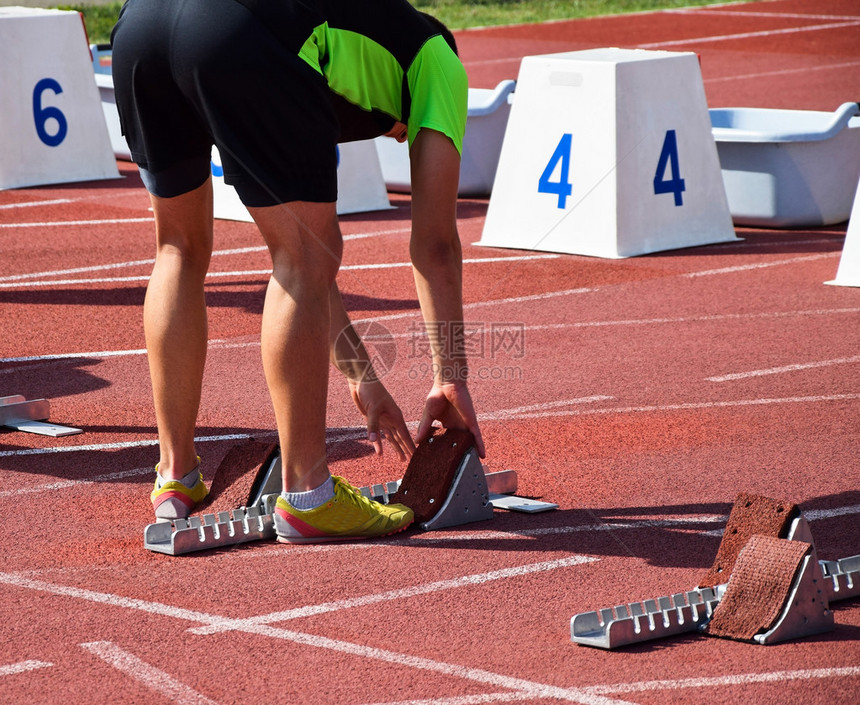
{"points": [[669, 157], [561, 188]]}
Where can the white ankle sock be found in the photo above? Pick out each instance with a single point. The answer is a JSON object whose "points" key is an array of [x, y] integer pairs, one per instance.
{"points": [[188, 480], [312, 498]]}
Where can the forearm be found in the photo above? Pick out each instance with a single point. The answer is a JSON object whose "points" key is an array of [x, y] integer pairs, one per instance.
{"points": [[436, 253], [438, 281]]}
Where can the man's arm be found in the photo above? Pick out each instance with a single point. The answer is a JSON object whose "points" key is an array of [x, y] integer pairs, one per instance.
{"points": [[437, 263]]}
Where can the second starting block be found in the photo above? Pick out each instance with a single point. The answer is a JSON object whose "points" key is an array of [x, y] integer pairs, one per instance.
{"points": [[766, 586], [31, 416]]}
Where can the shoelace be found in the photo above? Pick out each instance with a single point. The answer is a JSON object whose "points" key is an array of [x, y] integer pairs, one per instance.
{"points": [[353, 494]]}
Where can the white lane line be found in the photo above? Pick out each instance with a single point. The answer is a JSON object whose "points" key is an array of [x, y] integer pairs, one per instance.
{"points": [[729, 680], [31, 204], [657, 321], [466, 699], [490, 416], [760, 265], [74, 356], [503, 413], [818, 514], [75, 223], [23, 667], [848, 22], [785, 368], [117, 446], [143, 262], [256, 272], [778, 15], [783, 72], [535, 689], [659, 408], [391, 595], [750, 35], [479, 304], [63, 484], [146, 674], [219, 344]]}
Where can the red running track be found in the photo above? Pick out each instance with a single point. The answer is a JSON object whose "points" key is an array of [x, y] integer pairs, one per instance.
{"points": [[641, 395]]}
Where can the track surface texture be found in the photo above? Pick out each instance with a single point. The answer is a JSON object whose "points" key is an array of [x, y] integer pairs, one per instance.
{"points": [[640, 395]]}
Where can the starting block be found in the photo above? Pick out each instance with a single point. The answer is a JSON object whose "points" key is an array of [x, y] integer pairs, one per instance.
{"points": [[50, 117], [23, 415], [763, 588], [848, 273], [466, 494], [608, 153], [360, 187]]}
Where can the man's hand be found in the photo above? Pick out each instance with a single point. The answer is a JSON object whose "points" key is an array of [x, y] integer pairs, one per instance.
{"points": [[451, 405], [384, 418]]}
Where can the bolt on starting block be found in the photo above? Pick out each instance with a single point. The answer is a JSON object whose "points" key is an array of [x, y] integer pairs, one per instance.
{"points": [[766, 586], [30, 416], [445, 484]]}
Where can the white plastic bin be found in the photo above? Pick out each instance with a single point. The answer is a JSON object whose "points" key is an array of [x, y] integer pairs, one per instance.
{"points": [[487, 118], [104, 81], [788, 168]]}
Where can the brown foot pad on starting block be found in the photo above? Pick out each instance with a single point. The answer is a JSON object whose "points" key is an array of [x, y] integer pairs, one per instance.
{"points": [[751, 514], [240, 476], [428, 483], [774, 594]]}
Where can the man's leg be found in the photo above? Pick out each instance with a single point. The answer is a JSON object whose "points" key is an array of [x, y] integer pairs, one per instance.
{"points": [[175, 322], [305, 244]]}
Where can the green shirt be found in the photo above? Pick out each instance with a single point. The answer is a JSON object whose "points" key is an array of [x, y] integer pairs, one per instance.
{"points": [[421, 87]]}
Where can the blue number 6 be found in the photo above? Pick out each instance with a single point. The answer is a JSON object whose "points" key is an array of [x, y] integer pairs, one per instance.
{"points": [[42, 115]]}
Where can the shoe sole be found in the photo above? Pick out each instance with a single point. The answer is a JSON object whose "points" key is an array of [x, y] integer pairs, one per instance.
{"points": [[332, 539]]}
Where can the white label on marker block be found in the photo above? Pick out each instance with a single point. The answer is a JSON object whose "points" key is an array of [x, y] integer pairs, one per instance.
{"points": [[609, 153], [52, 129]]}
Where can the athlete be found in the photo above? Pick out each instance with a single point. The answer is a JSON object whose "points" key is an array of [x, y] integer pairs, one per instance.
{"points": [[275, 84]]}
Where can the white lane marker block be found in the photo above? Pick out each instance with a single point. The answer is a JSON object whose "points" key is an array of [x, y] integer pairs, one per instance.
{"points": [[848, 273], [608, 153], [52, 129], [360, 185]]}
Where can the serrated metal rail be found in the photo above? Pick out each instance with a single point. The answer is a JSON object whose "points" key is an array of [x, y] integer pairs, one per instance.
{"points": [[634, 622], [841, 578], [207, 531]]}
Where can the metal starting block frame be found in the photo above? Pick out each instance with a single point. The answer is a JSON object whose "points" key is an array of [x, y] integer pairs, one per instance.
{"points": [[816, 584], [29, 416], [472, 497], [206, 531], [612, 627]]}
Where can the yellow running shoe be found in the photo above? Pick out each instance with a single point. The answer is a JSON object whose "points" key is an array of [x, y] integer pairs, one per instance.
{"points": [[174, 499], [348, 515]]}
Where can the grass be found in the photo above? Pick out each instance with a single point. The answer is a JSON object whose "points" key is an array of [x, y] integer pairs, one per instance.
{"points": [[457, 14]]}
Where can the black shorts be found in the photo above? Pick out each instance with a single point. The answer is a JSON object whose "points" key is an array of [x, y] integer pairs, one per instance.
{"points": [[192, 73]]}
